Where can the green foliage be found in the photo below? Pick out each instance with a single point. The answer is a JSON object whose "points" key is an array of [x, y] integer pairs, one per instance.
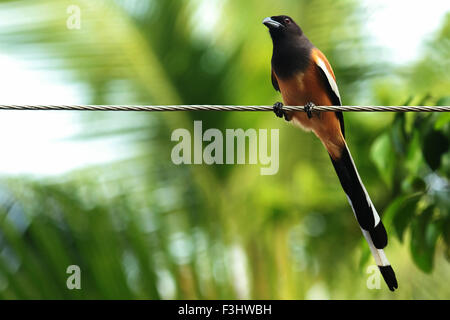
{"points": [[424, 234], [413, 158], [412, 162]]}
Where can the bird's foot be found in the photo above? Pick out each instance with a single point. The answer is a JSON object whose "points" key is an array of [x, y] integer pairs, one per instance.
{"points": [[278, 109], [280, 113], [309, 108]]}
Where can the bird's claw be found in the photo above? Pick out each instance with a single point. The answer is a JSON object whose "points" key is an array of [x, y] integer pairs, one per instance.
{"points": [[309, 108], [278, 110]]}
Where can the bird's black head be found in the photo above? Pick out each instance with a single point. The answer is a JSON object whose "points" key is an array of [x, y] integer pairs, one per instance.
{"points": [[291, 48], [281, 27]]}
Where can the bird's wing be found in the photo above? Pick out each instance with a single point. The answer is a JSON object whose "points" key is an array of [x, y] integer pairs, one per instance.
{"points": [[329, 81]]}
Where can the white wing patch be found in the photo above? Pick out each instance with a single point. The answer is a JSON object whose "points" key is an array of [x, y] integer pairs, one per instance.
{"points": [[330, 78]]}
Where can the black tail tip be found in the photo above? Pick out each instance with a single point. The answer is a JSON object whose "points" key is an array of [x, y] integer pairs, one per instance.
{"points": [[379, 236], [389, 276]]}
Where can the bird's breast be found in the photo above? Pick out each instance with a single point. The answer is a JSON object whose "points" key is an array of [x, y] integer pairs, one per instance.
{"points": [[306, 87], [293, 89]]}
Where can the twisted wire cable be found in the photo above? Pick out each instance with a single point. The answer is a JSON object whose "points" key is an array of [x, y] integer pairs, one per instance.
{"points": [[224, 108]]}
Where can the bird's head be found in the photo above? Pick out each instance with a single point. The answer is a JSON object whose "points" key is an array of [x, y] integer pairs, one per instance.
{"points": [[281, 27]]}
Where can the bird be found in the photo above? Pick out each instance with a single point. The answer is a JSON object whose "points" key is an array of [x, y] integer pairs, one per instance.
{"points": [[304, 77]]}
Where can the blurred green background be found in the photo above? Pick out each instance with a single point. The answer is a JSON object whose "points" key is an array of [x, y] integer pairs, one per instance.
{"points": [[141, 227]]}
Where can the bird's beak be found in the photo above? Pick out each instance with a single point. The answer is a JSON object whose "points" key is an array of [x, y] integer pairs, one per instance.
{"points": [[270, 23]]}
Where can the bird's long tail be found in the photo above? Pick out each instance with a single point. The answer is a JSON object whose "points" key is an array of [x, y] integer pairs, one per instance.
{"points": [[365, 213]]}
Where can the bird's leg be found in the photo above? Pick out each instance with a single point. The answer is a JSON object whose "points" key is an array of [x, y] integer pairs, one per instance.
{"points": [[308, 109], [278, 109]]}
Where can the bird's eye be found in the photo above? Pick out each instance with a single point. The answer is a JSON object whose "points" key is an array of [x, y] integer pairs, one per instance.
{"points": [[287, 21]]}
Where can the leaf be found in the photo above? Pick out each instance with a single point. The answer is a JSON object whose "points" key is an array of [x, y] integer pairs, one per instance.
{"points": [[401, 211], [398, 133], [444, 117], [418, 184], [446, 231], [442, 120], [434, 146], [414, 158], [423, 239], [382, 154]]}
